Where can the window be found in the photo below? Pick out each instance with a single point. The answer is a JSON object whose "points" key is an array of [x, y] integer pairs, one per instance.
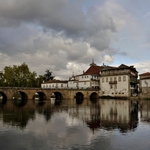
{"points": [[115, 86], [84, 83], [115, 79], [106, 79], [102, 79], [110, 78], [111, 86], [119, 78], [61, 85], [124, 78]]}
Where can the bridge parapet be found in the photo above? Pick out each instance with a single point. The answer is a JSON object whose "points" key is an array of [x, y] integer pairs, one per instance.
{"points": [[30, 92]]}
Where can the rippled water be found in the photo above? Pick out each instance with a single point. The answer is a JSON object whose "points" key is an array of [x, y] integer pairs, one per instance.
{"points": [[103, 125]]}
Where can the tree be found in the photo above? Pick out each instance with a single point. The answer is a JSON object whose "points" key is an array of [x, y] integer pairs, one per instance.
{"points": [[18, 76], [39, 80], [48, 76], [21, 76], [2, 80]]}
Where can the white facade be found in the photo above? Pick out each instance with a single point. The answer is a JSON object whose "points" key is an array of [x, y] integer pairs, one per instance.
{"points": [[145, 84], [88, 80], [83, 82], [53, 84], [118, 81], [115, 85]]}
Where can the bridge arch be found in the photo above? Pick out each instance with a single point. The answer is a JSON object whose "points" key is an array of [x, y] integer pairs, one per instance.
{"points": [[3, 97], [24, 96], [19, 98], [58, 95], [94, 97], [79, 97], [42, 95]]}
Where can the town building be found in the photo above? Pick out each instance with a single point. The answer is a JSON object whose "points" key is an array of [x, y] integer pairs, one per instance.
{"points": [[90, 79], [145, 84], [119, 81], [55, 84], [111, 81]]}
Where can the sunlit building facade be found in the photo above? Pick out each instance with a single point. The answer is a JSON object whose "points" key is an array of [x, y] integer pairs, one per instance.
{"points": [[119, 81], [145, 84]]}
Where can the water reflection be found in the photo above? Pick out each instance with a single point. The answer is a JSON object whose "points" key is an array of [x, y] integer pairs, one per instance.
{"points": [[19, 102], [119, 114], [103, 124], [108, 114], [145, 111]]}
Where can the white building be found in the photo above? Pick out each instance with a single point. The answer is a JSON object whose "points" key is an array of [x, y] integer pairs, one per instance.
{"points": [[118, 81], [145, 84], [55, 84], [88, 80]]}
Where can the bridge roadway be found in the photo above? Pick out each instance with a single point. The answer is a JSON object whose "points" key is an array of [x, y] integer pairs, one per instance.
{"points": [[45, 94]]}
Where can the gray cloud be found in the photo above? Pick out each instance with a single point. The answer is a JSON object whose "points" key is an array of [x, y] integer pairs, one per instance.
{"points": [[49, 34]]}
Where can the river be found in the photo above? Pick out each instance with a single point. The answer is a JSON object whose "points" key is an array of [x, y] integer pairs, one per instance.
{"points": [[99, 125]]}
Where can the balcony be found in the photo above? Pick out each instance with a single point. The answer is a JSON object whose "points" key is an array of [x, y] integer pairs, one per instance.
{"points": [[112, 82]]}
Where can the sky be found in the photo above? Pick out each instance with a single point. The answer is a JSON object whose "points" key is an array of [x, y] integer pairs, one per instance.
{"points": [[64, 36]]}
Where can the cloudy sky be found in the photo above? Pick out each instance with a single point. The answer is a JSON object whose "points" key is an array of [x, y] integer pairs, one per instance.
{"points": [[65, 35]]}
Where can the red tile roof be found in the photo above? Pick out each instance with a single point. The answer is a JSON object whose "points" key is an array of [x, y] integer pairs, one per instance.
{"points": [[145, 74], [93, 70]]}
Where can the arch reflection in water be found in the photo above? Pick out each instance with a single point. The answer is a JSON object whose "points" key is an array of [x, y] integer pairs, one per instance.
{"points": [[20, 116], [105, 114]]}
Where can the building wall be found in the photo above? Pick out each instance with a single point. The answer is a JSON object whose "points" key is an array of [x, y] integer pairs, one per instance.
{"points": [[72, 84], [145, 88], [115, 85], [145, 83], [84, 77], [54, 85], [84, 82], [84, 85]]}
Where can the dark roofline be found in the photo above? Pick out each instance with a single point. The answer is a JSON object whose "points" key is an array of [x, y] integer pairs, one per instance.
{"points": [[144, 74], [56, 81]]}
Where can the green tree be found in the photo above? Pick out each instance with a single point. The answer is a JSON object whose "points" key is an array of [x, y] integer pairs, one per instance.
{"points": [[19, 76], [48, 76], [2, 79], [39, 80]]}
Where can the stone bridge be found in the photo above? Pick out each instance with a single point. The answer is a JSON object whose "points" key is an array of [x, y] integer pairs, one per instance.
{"points": [[8, 93]]}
